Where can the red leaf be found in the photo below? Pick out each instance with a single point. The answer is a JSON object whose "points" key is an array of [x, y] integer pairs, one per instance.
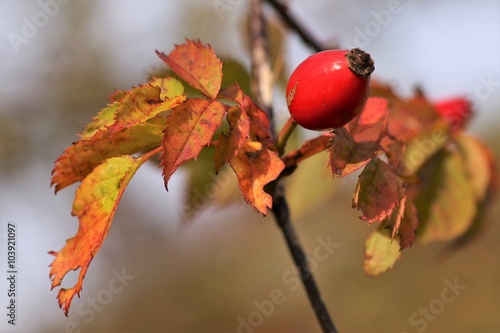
{"points": [[228, 145], [189, 128], [255, 166], [371, 123], [378, 192], [347, 155], [407, 230], [196, 64], [260, 127]]}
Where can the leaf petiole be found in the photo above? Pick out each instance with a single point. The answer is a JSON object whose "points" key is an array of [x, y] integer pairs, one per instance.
{"points": [[151, 153], [284, 134]]}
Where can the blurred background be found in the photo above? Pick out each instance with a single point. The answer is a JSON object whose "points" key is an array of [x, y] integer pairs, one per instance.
{"points": [[60, 60]]}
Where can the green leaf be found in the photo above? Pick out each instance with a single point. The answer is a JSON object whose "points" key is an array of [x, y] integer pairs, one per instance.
{"points": [[482, 174], [381, 252], [169, 87], [446, 202]]}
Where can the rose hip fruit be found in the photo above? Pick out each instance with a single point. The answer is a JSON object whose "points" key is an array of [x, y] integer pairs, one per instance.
{"points": [[329, 88], [457, 111]]}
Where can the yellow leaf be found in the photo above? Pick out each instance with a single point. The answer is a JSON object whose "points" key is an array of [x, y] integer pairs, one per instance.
{"points": [[381, 252], [78, 160], [169, 86]]}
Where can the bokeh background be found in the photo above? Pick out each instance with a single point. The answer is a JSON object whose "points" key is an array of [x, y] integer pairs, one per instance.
{"points": [[207, 275]]}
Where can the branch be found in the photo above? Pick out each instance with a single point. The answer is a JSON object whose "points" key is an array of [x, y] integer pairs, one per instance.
{"points": [[295, 25], [261, 75], [262, 89], [282, 215]]}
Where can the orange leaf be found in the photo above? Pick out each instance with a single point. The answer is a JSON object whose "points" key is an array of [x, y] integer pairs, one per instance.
{"points": [[140, 105], [228, 145], [189, 128], [95, 205], [196, 64], [408, 117], [378, 192], [347, 155], [78, 160], [255, 166]]}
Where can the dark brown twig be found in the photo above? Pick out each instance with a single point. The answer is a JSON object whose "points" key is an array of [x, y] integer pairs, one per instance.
{"points": [[262, 90], [295, 25]]}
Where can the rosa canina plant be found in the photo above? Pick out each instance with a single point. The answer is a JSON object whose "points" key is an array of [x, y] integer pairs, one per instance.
{"points": [[420, 176]]}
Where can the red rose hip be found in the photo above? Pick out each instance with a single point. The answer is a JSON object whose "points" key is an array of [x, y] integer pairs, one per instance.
{"points": [[329, 88], [457, 111]]}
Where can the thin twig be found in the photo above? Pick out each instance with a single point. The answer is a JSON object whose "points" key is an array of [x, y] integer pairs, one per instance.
{"points": [[262, 90], [295, 25]]}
